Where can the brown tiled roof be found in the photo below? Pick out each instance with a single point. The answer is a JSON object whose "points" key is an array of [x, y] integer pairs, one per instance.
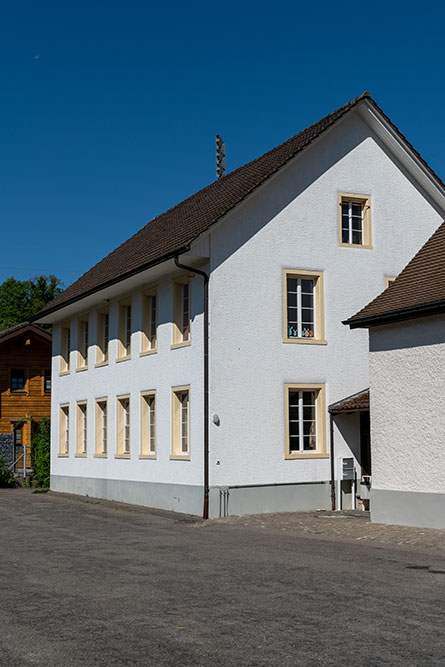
{"points": [[24, 327], [175, 229], [357, 402], [419, 289]]}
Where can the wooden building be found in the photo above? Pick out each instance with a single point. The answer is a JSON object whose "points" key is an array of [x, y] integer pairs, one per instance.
{"points": [[25, 388]]}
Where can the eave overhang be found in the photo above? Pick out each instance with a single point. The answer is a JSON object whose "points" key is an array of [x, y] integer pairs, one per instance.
{"points": [[424, 310]]}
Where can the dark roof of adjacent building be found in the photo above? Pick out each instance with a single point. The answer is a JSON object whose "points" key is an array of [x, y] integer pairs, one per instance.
{"points": [[174, 230], [22, 328], [356, 403], [418, 291]]}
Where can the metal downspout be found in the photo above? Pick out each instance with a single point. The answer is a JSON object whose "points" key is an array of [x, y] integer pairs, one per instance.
{"points": [[205, 512], [331, 454]]}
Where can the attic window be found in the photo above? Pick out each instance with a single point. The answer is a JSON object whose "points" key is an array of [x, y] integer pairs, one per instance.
{"points": [[354, 220]]}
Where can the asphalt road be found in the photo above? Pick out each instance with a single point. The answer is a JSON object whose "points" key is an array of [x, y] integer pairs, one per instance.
{"points": [[104, 584]]}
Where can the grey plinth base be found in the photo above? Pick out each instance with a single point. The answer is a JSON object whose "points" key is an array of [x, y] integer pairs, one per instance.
{"points": [[229, 501], [174, 497], [408, 508], [189, 499]]}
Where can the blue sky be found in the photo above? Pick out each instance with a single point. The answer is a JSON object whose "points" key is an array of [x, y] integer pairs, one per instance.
{"points": [[110, 109]]}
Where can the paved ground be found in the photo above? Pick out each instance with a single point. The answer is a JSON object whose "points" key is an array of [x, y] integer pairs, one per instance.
{"points": [[92, 583]]}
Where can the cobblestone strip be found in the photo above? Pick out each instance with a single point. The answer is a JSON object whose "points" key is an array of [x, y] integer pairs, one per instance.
{"points": [[355, 526]]}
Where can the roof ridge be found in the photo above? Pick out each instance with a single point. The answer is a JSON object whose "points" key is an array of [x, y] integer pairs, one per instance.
{"points": [[177, 227], [22, 325]]}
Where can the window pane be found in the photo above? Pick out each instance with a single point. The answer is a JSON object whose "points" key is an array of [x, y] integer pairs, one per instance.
{"points": [[307, 331], [357, 237], [307, 315], [291, 284], [357, 210], [345, 235], [17, 379], [307, 300], [293, 398], [307, 286], [47, 381], [308, 398], [294, 443], [356, 223], [294, 428], [309, 442], [293, 412], [292, 299], [309, 412]]}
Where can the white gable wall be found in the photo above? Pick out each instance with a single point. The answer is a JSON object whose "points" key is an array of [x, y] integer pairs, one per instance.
{"points": [[291, 223]]}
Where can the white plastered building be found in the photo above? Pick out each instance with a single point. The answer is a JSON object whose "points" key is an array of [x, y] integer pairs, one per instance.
{"points": [[193, 366], [407, 391]]}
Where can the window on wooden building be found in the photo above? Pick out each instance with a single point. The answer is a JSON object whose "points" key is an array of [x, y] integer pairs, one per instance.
{"points": [[18, 380], [47, 381]]}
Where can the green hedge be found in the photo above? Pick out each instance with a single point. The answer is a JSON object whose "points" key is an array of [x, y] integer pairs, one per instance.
{"points": [[6, 476], [41, 452]]}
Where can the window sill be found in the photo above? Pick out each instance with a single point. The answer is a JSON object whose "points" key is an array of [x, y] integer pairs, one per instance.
{"points": [[146, 353], [100, 456], [83, 455], [306, 341], [355, 245], [64, 372], [119, 359], [185, 343], [63, 456], [101, 363], [180, 457], [308, 455], [81, 369], [122, 456], [147, 456], [18, 392]]}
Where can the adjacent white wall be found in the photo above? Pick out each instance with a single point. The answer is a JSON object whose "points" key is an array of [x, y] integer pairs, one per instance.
{"points": [[407, 373]]}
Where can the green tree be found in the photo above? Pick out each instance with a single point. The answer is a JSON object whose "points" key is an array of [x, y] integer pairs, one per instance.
{"points": [[40, 448], [14, 306], [42, 290], [20, 300]]}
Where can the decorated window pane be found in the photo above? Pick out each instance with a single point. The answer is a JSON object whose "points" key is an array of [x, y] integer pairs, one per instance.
{"points": [[300, 307]]}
